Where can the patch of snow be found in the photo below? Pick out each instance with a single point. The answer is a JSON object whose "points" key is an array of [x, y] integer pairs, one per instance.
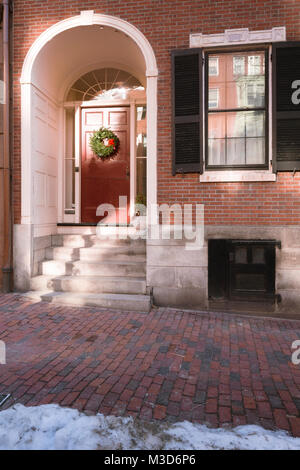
{"points": [[53, 427]]}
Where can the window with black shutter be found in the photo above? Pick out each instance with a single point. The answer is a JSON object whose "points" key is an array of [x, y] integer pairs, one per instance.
{"points": [[286, 106], [187, 125], [236, 109]]}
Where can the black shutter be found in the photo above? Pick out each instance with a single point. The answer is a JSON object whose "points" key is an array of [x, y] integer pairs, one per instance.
{"points": [[187, 130], [286, 113]]}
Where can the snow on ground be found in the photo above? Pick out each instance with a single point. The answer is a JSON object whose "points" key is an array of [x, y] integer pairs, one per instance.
{"points": [[53, 427]]}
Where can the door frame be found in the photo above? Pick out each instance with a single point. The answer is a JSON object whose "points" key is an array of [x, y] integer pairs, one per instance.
{"points": [[131, 103]]}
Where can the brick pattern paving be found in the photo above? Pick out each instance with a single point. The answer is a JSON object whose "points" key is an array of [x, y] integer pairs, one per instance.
{"points": [[205, 367]]}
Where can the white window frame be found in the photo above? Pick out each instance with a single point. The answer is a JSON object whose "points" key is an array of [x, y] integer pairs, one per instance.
{"points": [[247, 175], [233, 38]]}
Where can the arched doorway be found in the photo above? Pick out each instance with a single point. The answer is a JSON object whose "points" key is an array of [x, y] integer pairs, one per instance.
{"points": [[60, 56], [114, 99]]}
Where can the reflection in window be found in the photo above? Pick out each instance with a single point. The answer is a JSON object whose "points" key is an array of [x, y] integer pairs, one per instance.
{"points": [[69, 161], [213, 98], [141, 155], [255, 65], [236, 118], [238, 65], [213, 66]]}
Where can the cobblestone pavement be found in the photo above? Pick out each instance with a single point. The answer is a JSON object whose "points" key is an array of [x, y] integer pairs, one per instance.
{"points": [[211, 368]]}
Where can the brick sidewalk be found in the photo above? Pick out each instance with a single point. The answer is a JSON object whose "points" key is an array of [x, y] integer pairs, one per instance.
{"points": [[205, 367]]}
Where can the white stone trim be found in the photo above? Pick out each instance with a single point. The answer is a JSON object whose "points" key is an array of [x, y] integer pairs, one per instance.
{"points": [[132, 128], [238, 36], [216, 176], [84, 19]]}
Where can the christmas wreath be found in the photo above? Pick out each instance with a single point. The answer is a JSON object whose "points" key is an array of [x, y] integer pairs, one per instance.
{"points": [[104, 143]]}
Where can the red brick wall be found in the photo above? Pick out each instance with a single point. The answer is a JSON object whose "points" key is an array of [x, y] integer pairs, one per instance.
{"points": [[167, 25]]}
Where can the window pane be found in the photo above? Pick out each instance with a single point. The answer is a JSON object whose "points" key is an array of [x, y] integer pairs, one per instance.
{"points": [[216, 152], [238, 65], [240, 255], [69, 159], [216, 138], [213, 66], [258, 255], [255, 151], [240, 79], [256, 64], [213, 98], [235, 124], [236, 138], [141, 183], [255, 93], [141, 154], [216, 125], [255, 124], [236, 152]]}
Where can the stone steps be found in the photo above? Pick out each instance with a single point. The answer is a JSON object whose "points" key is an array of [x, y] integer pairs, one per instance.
{"points": [[82, 269], [128, 302], [81, 241], [85, 268], [91, 284], [95, 254]]}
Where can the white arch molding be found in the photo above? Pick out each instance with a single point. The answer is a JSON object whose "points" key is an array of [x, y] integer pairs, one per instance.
{"points": [[25, 231]]}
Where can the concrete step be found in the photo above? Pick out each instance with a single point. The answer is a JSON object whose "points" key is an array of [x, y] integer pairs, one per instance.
{"points": [[138, 303], [101, 254], [109, 268], [85, 268], [89, 284], [117, 253], [81, 241], [72, 240], [62, 253]]}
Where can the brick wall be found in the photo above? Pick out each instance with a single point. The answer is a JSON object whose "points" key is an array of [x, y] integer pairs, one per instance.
{"points": [[167, 25]]}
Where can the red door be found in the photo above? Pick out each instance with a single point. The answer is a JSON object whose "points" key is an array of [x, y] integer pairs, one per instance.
{"points": [[103, 182]]}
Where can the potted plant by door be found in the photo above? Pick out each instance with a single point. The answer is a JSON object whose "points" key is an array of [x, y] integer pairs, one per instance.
{"points": [[140, 205]]}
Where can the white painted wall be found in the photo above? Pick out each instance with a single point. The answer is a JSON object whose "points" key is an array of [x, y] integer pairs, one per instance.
{"points": [[45, 153]]}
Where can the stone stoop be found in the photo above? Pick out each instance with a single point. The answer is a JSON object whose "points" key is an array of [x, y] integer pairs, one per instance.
{"points": [[84, 270]]}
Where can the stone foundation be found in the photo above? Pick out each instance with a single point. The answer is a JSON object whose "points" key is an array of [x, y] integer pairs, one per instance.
{"points": [[179, 277]]}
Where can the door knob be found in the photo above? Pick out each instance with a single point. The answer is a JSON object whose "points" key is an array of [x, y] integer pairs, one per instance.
{"points": [[127, 172]]}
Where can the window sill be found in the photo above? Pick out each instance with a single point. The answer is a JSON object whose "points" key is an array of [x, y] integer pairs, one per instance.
{"points": [[216, 176]]}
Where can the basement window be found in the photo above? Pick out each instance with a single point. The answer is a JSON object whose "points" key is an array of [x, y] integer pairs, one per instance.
{"points": [[241, 269]]}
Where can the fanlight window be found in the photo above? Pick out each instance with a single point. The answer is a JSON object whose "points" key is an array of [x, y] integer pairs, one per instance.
{"points": [[103, 83]]}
